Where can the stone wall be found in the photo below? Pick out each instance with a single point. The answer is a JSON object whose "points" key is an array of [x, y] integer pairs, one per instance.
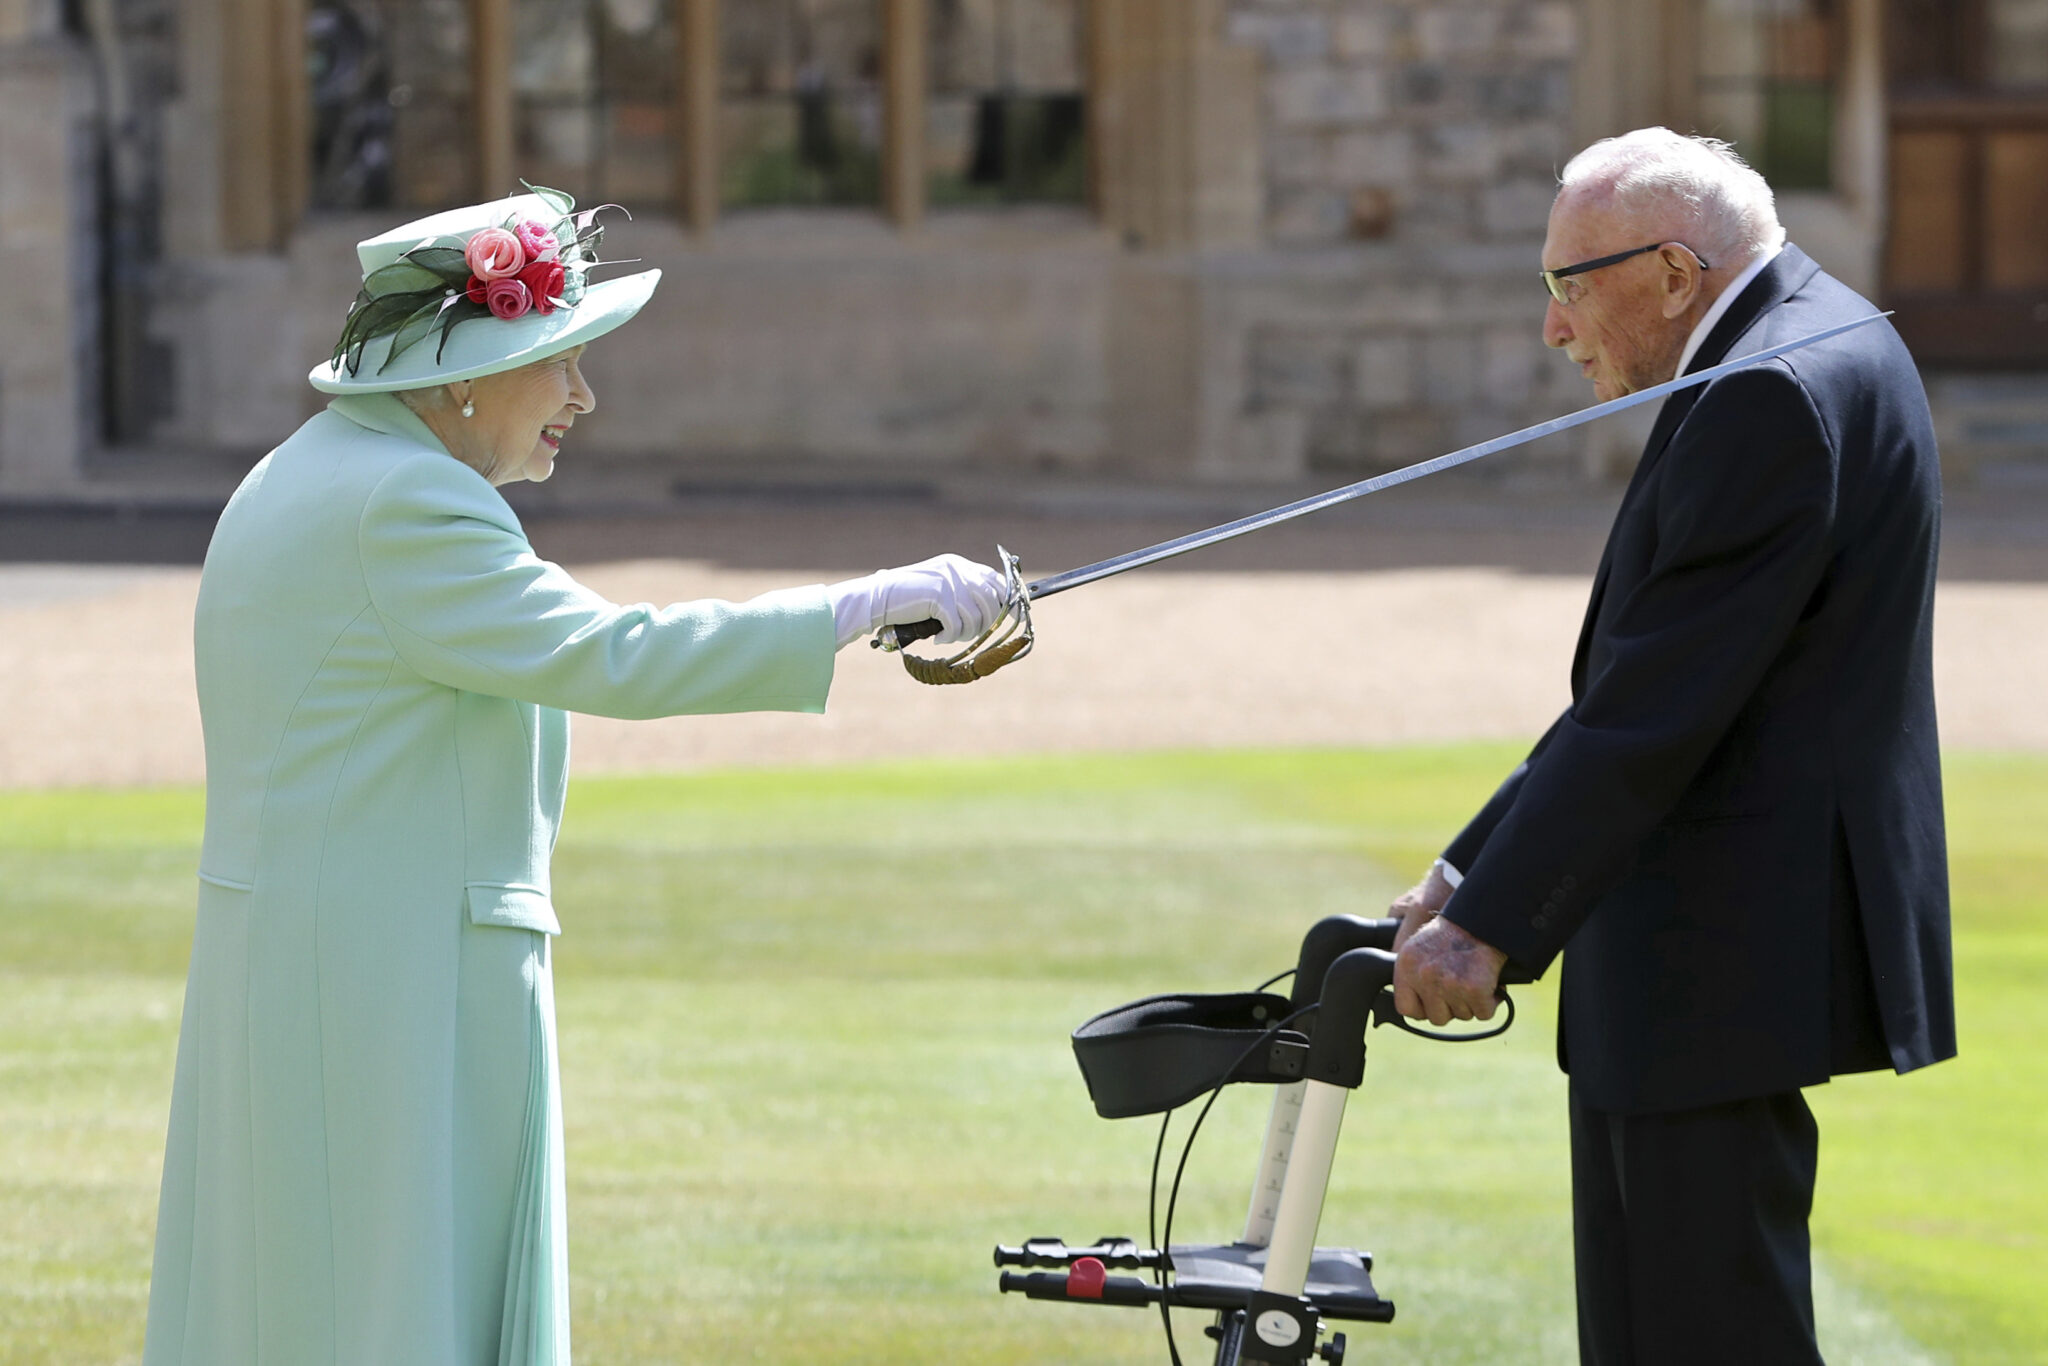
{"points": [[1318, 232], [1391, 356], [823, 337], [1337, 275], [1410, 155], [972, 345], [1408, 120], [48, 351]]}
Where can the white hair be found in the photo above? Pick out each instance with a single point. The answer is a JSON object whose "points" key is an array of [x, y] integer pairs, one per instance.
{"points": [[1722, 208]]}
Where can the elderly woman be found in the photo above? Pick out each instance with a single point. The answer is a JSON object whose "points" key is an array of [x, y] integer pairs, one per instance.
{"points": [[365, 1153]]}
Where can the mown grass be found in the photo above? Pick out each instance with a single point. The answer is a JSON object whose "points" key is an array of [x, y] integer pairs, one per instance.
{"points": [[813, 1032]]}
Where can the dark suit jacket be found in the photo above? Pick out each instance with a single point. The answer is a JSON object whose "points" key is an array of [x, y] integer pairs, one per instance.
{"points": [[1737, 825]]}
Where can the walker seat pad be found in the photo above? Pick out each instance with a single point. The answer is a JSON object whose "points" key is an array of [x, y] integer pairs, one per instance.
{"points": [[1161, 1052]]}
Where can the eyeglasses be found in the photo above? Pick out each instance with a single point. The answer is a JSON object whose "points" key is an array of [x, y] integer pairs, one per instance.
{"points": [[1554, 280]]}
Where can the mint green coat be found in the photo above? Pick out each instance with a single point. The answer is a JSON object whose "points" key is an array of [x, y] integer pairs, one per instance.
{"points": [[364, 1162]]}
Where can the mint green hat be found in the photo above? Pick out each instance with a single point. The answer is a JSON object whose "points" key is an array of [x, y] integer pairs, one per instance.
{"points": [[419, 321]]}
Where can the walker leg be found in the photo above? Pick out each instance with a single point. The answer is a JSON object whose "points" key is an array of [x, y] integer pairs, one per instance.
{"points": [[1308, 1181], [1273, 1159]]}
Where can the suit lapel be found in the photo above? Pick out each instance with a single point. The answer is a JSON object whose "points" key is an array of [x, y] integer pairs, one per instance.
{"points": [[1785, 276], [1777, 282]]}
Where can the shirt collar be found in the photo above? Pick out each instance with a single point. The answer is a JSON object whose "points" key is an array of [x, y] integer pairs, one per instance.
{"points": [[1721, 306], [388, 414]]}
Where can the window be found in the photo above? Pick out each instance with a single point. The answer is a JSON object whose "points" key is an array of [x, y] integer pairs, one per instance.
{"points": [[1767, 84], [2019, 44], [704, 105], [800, 102], [392, 120], [1948, 47], [1005, 122], [593, 83]]}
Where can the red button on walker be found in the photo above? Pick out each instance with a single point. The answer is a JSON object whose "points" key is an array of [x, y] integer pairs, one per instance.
{"points": [[1084, 1281]]}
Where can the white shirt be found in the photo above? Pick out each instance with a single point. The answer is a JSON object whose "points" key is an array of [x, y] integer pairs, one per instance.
{"points": [[1720, 306]]}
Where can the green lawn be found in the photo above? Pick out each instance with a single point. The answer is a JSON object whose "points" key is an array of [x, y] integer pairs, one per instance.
{"points": [[813, 1033]]}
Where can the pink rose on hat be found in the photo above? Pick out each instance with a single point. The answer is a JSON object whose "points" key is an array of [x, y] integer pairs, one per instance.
{"points": [[494, 254], [499, 261], [507, 299], [538, 243]]}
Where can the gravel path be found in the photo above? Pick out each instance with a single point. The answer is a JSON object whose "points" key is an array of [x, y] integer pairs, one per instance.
{"points": [[1449, 624]]}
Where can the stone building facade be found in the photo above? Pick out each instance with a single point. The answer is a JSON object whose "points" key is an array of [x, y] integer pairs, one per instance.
{"points": [[1304, 240]]}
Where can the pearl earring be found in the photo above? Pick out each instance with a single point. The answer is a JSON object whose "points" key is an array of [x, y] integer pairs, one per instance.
{"points": [[469, 407]]}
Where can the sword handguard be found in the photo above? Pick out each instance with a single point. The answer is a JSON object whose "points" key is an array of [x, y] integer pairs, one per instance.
{"points": [[1007, 639], [939, 672]]}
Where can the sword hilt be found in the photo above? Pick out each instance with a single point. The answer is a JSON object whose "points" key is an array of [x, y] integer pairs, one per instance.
{"points": [[1007, 639], [896, 637]]}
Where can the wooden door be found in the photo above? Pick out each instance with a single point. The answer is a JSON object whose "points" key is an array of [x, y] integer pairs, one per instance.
{"points": [[1966, 260]]}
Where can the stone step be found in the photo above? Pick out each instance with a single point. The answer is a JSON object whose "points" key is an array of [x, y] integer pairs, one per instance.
{"points": [[1993, 429]]}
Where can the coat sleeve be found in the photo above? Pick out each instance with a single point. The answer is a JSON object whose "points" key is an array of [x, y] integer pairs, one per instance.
{"points": [[1744, 520], [468, 604], [1463, 851]]}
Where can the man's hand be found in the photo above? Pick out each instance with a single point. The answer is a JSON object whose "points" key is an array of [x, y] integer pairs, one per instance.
{"points": [[1420, 904], [1446, 974]]}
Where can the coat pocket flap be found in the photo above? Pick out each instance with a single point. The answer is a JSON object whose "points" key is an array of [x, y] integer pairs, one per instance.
{"points": [[513, 908]]}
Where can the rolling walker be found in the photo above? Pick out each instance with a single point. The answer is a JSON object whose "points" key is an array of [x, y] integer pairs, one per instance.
{"points": [[1273, 1291]]}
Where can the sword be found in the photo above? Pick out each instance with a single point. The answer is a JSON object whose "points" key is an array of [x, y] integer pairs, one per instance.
{"points": [[896, 637]]}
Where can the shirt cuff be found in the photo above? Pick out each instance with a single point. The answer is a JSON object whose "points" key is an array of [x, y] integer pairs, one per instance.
{"points": [[1451, 875]]}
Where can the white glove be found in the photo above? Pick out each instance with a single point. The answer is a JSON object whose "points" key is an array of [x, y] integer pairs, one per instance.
{"points": [[965, 597]]}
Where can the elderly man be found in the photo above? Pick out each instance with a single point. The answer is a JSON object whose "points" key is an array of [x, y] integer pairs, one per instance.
{"points": [[1736, 827]]}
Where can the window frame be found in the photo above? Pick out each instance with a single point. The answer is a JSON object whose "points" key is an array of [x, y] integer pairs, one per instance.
{"points": [[1138, 59]]}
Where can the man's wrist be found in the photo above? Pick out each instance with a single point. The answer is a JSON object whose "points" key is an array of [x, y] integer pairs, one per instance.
{"points": [[1438, 886], [1459, 940]]}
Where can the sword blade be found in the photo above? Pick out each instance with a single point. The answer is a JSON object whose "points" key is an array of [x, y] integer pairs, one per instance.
{"points": [[1259, 521]]}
